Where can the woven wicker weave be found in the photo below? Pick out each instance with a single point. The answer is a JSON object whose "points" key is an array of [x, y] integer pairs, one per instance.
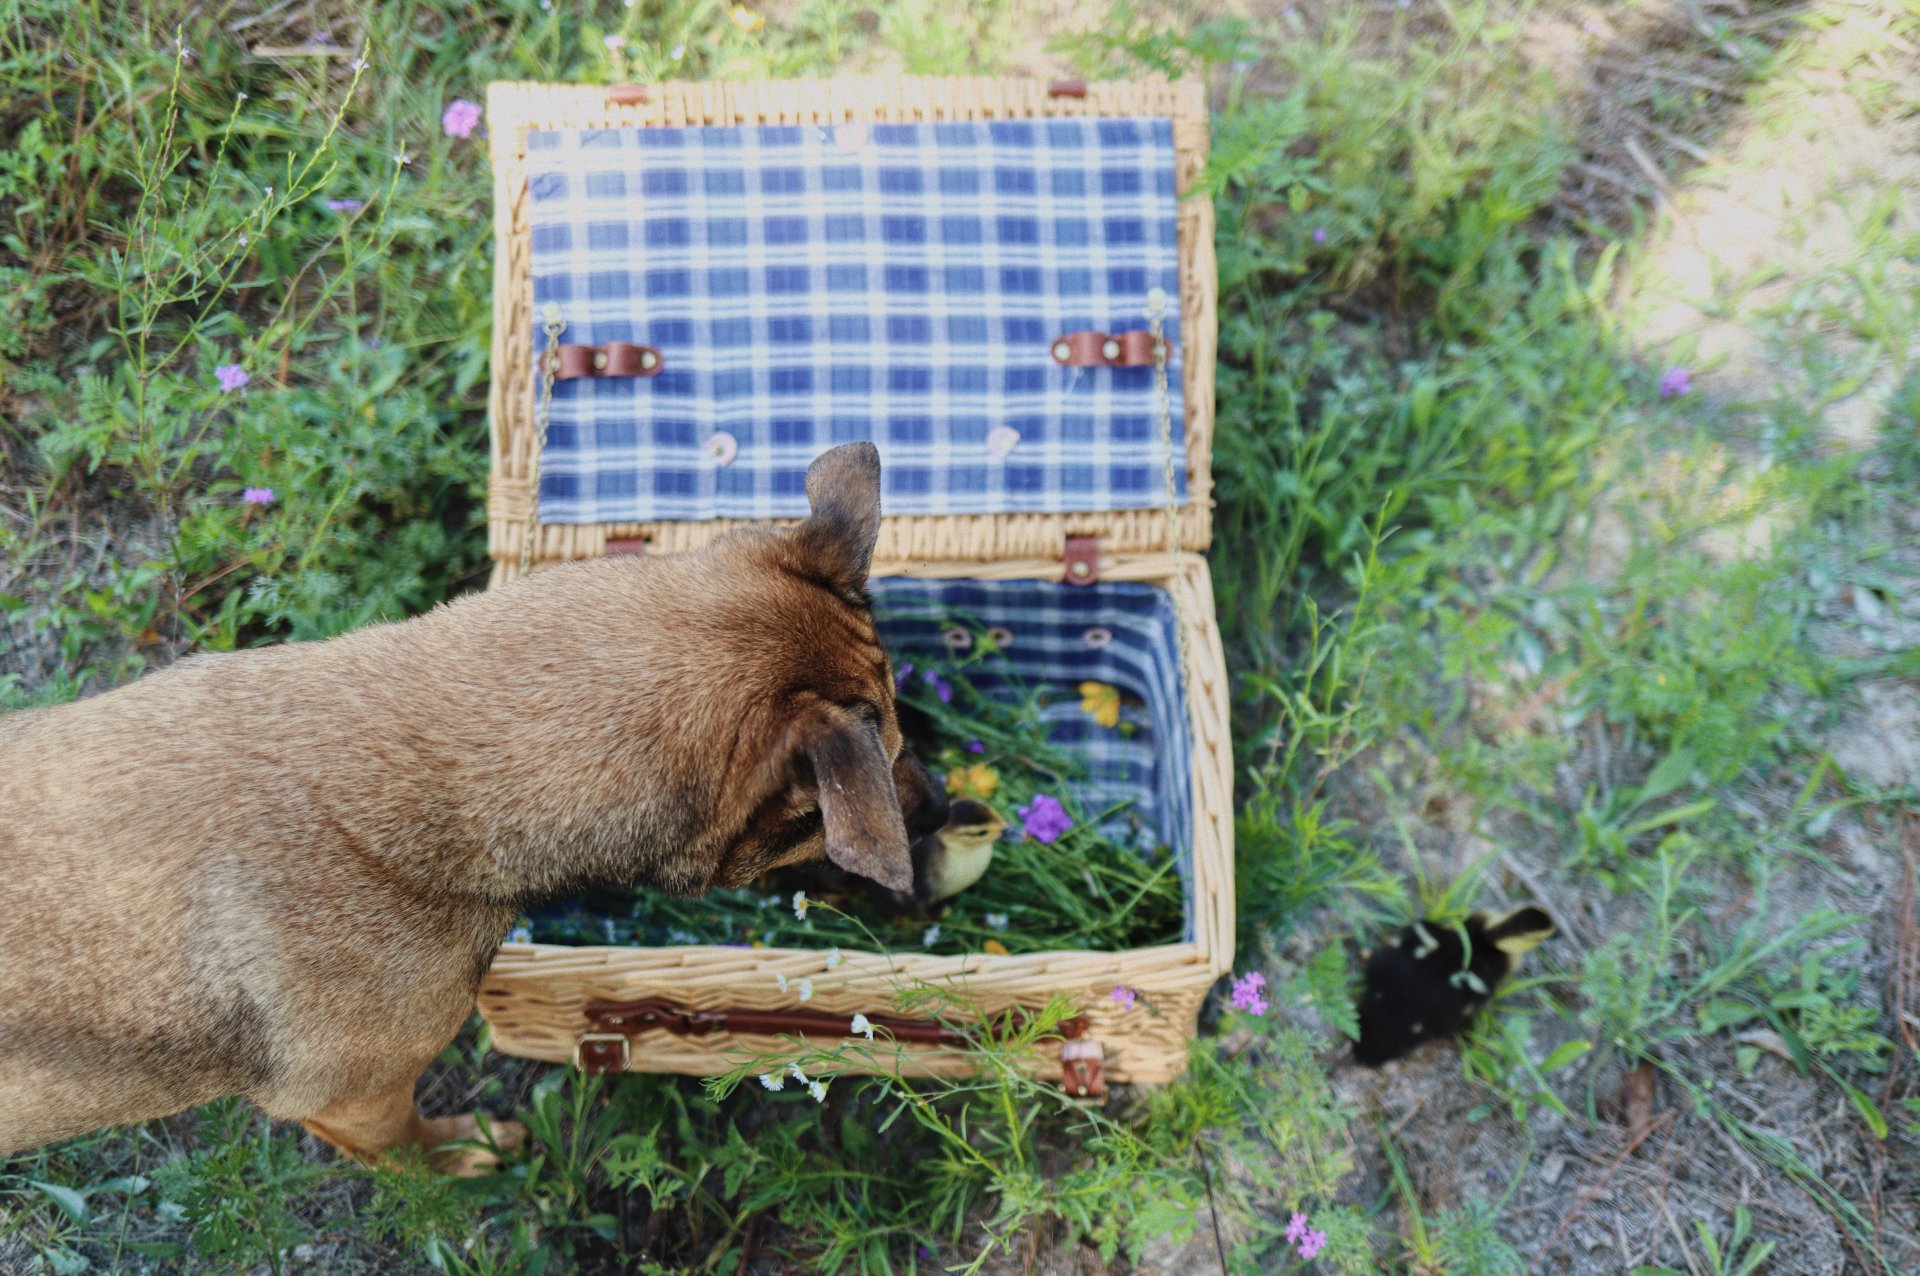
{"points": [[534, 995]]}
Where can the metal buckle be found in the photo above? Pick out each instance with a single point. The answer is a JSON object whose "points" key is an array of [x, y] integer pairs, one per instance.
{"points": [[597, 1041]]}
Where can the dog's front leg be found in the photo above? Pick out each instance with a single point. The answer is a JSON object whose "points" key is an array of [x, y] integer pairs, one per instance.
{"points": [[368, 1128]]}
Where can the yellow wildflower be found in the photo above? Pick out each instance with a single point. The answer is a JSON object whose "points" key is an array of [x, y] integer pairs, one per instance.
{"points": [[746, 19], [977, 781], [995, 947], [1101, 703]]}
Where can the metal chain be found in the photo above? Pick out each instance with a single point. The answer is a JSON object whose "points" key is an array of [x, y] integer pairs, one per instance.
{"points": [[1156, 324], [543, 410]]}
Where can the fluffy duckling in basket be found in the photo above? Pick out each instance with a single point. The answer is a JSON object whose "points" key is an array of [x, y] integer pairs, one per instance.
{"points": [[1426, 981], [954, 857], [945, 862]]}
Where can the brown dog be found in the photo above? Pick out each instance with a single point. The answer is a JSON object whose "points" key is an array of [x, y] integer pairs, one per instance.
{"points": [[281, 873]]}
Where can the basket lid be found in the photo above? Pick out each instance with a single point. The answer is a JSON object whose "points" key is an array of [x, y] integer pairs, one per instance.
{"points": [[727, 279]]}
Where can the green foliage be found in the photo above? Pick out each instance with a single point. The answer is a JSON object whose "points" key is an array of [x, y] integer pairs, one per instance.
{"points": [[1425, 416], [1692, 655], [237, 1194]]}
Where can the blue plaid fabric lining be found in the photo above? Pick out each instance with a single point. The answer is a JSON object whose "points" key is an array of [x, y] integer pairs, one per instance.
{"points": [[809, 286], [1148, 771]]}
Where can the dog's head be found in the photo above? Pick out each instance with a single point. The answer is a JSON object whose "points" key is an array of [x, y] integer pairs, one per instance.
{"points": [[820, 766]]}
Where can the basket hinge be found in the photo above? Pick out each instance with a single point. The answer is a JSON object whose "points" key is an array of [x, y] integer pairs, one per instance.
{"points": [[1083, 1069], [1103, 349], [614, 359], [600, 1052], [1083, 560]]}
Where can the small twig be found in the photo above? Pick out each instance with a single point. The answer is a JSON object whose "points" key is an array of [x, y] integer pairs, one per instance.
{"points": [[1638, 154], [1671, 76], [1671, 138], [1903, 972], [254, 20], [1206, 1177], [1586, 1197], [1608, 177], [287, 52]]}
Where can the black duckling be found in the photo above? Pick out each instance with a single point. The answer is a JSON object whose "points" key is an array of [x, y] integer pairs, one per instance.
{"points": [[1425, 981]]}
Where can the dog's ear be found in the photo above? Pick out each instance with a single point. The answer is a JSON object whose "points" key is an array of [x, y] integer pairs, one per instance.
{"points": [[843, 491], [859, 804]]}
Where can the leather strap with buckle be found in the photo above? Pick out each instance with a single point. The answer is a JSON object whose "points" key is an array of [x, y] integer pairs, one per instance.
{"points": [[606, 1047]]}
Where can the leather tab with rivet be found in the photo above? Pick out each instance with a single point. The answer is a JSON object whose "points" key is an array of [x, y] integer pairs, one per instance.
{"points": [[1083, 1073], [1103, 349], [627, 94], [614, 359], [1082, 560]]}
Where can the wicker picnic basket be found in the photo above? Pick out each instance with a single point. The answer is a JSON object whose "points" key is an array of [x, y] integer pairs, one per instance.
{"points": [[639, 233]]}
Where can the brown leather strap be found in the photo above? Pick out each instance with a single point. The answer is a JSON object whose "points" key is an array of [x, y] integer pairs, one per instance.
{"points": [[1067, 88], [627, 94], [630, 545], [614, 359], [656, 1014], [1103, 349], [1082, 560], [1083, 1069]]}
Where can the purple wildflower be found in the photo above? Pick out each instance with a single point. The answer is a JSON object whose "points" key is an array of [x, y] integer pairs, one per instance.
{"points": [[1247, 995], [900, 676], [346, 205], [1124, 997], [1676, 382], [615, 43], [231, 376], [1319, 234], [460, 118], [1044, 819], [1312, 1243], [257, 496], [1297, 1228], [941, 687], [974, 746]]}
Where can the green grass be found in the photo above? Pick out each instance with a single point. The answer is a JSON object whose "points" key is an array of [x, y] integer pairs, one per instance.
{"points": [[1495, 616]]}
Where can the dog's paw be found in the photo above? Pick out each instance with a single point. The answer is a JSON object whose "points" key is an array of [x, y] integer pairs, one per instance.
{"points": [[472, 1154]]}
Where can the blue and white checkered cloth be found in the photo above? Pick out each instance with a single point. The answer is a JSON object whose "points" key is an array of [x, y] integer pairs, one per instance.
{"points": [[809, 286], [1149, 770]]}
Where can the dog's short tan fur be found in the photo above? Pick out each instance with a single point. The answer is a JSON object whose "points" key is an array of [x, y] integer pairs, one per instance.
{"points": [[281, 874]]}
